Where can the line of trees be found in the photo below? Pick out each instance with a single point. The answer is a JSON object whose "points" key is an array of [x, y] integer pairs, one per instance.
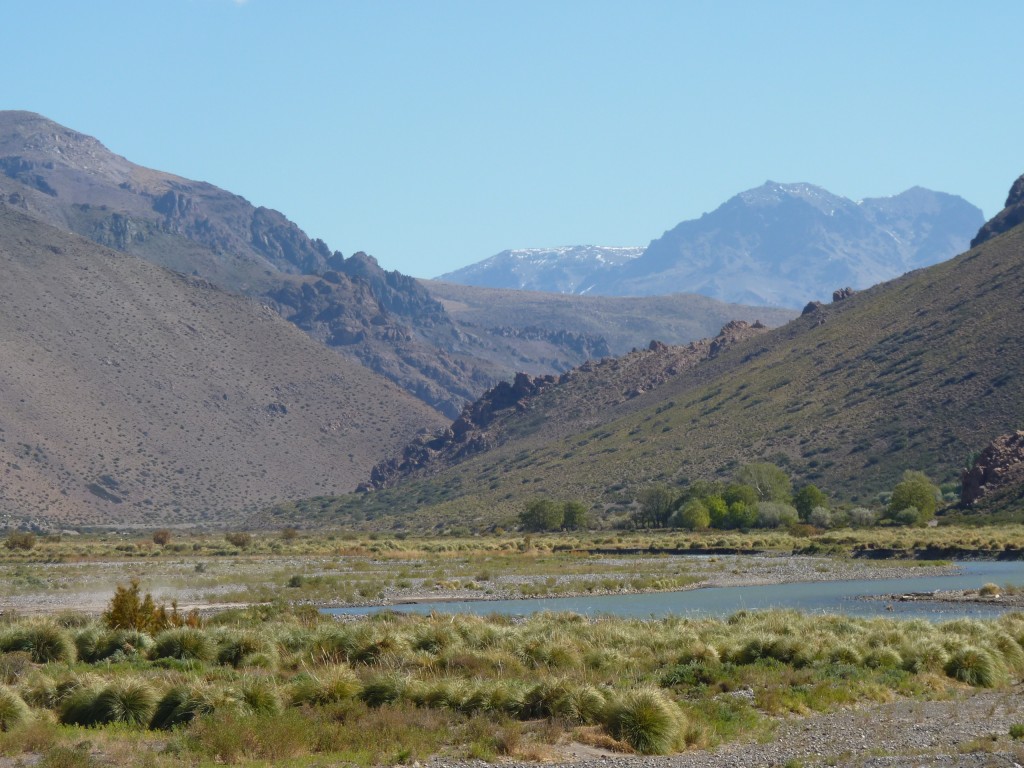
{"points": [[761, 496], [548, 515]]}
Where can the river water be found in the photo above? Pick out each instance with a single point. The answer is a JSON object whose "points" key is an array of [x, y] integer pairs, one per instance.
{"points": [[844, 597]]}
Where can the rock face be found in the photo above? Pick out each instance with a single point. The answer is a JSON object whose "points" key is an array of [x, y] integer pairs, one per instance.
{"points": [[997, 469], [1011, 216]]}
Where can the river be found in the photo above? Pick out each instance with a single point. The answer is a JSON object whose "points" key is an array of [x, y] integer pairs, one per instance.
{"points": [[844, 597]]}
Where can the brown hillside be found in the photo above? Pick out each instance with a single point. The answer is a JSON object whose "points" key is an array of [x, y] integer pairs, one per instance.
{"points": [[136, 396]]}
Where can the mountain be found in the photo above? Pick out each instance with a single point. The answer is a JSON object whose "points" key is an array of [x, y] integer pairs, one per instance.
{"points": [[134, 395], [572, 269], [919, 372], [599, 325], [381, 319], [776, 245]]}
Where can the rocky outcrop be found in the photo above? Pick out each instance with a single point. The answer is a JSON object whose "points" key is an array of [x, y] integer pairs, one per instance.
{"points": [[1011, 216], [842, 293], [522, 405], [997, 470], [811, 307]]}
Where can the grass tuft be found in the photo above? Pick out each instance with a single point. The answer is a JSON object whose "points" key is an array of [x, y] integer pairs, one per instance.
{"points": [[646, 720]]}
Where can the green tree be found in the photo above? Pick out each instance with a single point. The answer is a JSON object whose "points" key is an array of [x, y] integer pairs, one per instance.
{"points": [[574, 516], [914, 491], [741, 515], [693, 516], [769, 481], [807, 498], [656, 505], [541, 515], [740, 493], [718, 511]]}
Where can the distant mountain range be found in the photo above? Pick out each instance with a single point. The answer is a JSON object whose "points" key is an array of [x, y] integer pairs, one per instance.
{"points": [[572, 269], [776, 245]]}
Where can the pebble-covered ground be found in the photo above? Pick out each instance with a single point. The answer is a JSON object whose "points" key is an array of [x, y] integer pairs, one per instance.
{"points": [[971, 730]]}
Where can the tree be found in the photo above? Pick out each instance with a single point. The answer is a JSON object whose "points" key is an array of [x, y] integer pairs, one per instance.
{"points": [[741, 515], [772, 514], [574, 516], [541, 515], [740, 493], [693, 516], [807, 498], [718, 511], [768, 480], [656, 505], [914, 491]]}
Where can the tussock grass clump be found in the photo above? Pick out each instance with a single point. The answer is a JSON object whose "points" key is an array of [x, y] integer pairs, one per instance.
{"points": [[14, 666], [95, 643], [245, 649], [184, 643], [13, 710], [45, 643], [125, 701], [646, 720], [259, 696], [974, 666], [326, 686], [383, 689]]}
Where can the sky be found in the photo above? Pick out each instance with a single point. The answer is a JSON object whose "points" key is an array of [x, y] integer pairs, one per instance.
{"points": [[435, 133]]}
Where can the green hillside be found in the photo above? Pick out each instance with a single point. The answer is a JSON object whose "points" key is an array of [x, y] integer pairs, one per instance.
{"points": [[915, 373]]}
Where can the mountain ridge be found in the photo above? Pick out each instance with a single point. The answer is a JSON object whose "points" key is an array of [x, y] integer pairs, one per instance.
{"points": [[773, 245]]}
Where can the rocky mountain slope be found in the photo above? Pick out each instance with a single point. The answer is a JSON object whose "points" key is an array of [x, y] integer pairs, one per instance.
{"points": [[916, 373], [572, 269], [138, 396], [384, 320], [547, 407], [776, 245]]}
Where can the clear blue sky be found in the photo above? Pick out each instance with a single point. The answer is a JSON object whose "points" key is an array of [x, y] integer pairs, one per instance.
{"points": [[435, 133]]}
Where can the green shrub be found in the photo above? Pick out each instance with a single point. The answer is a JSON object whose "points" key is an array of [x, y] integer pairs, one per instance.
{"points": [[645, 720], [13, 710], [1017, 731], [974, 666], [184, 643]]}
